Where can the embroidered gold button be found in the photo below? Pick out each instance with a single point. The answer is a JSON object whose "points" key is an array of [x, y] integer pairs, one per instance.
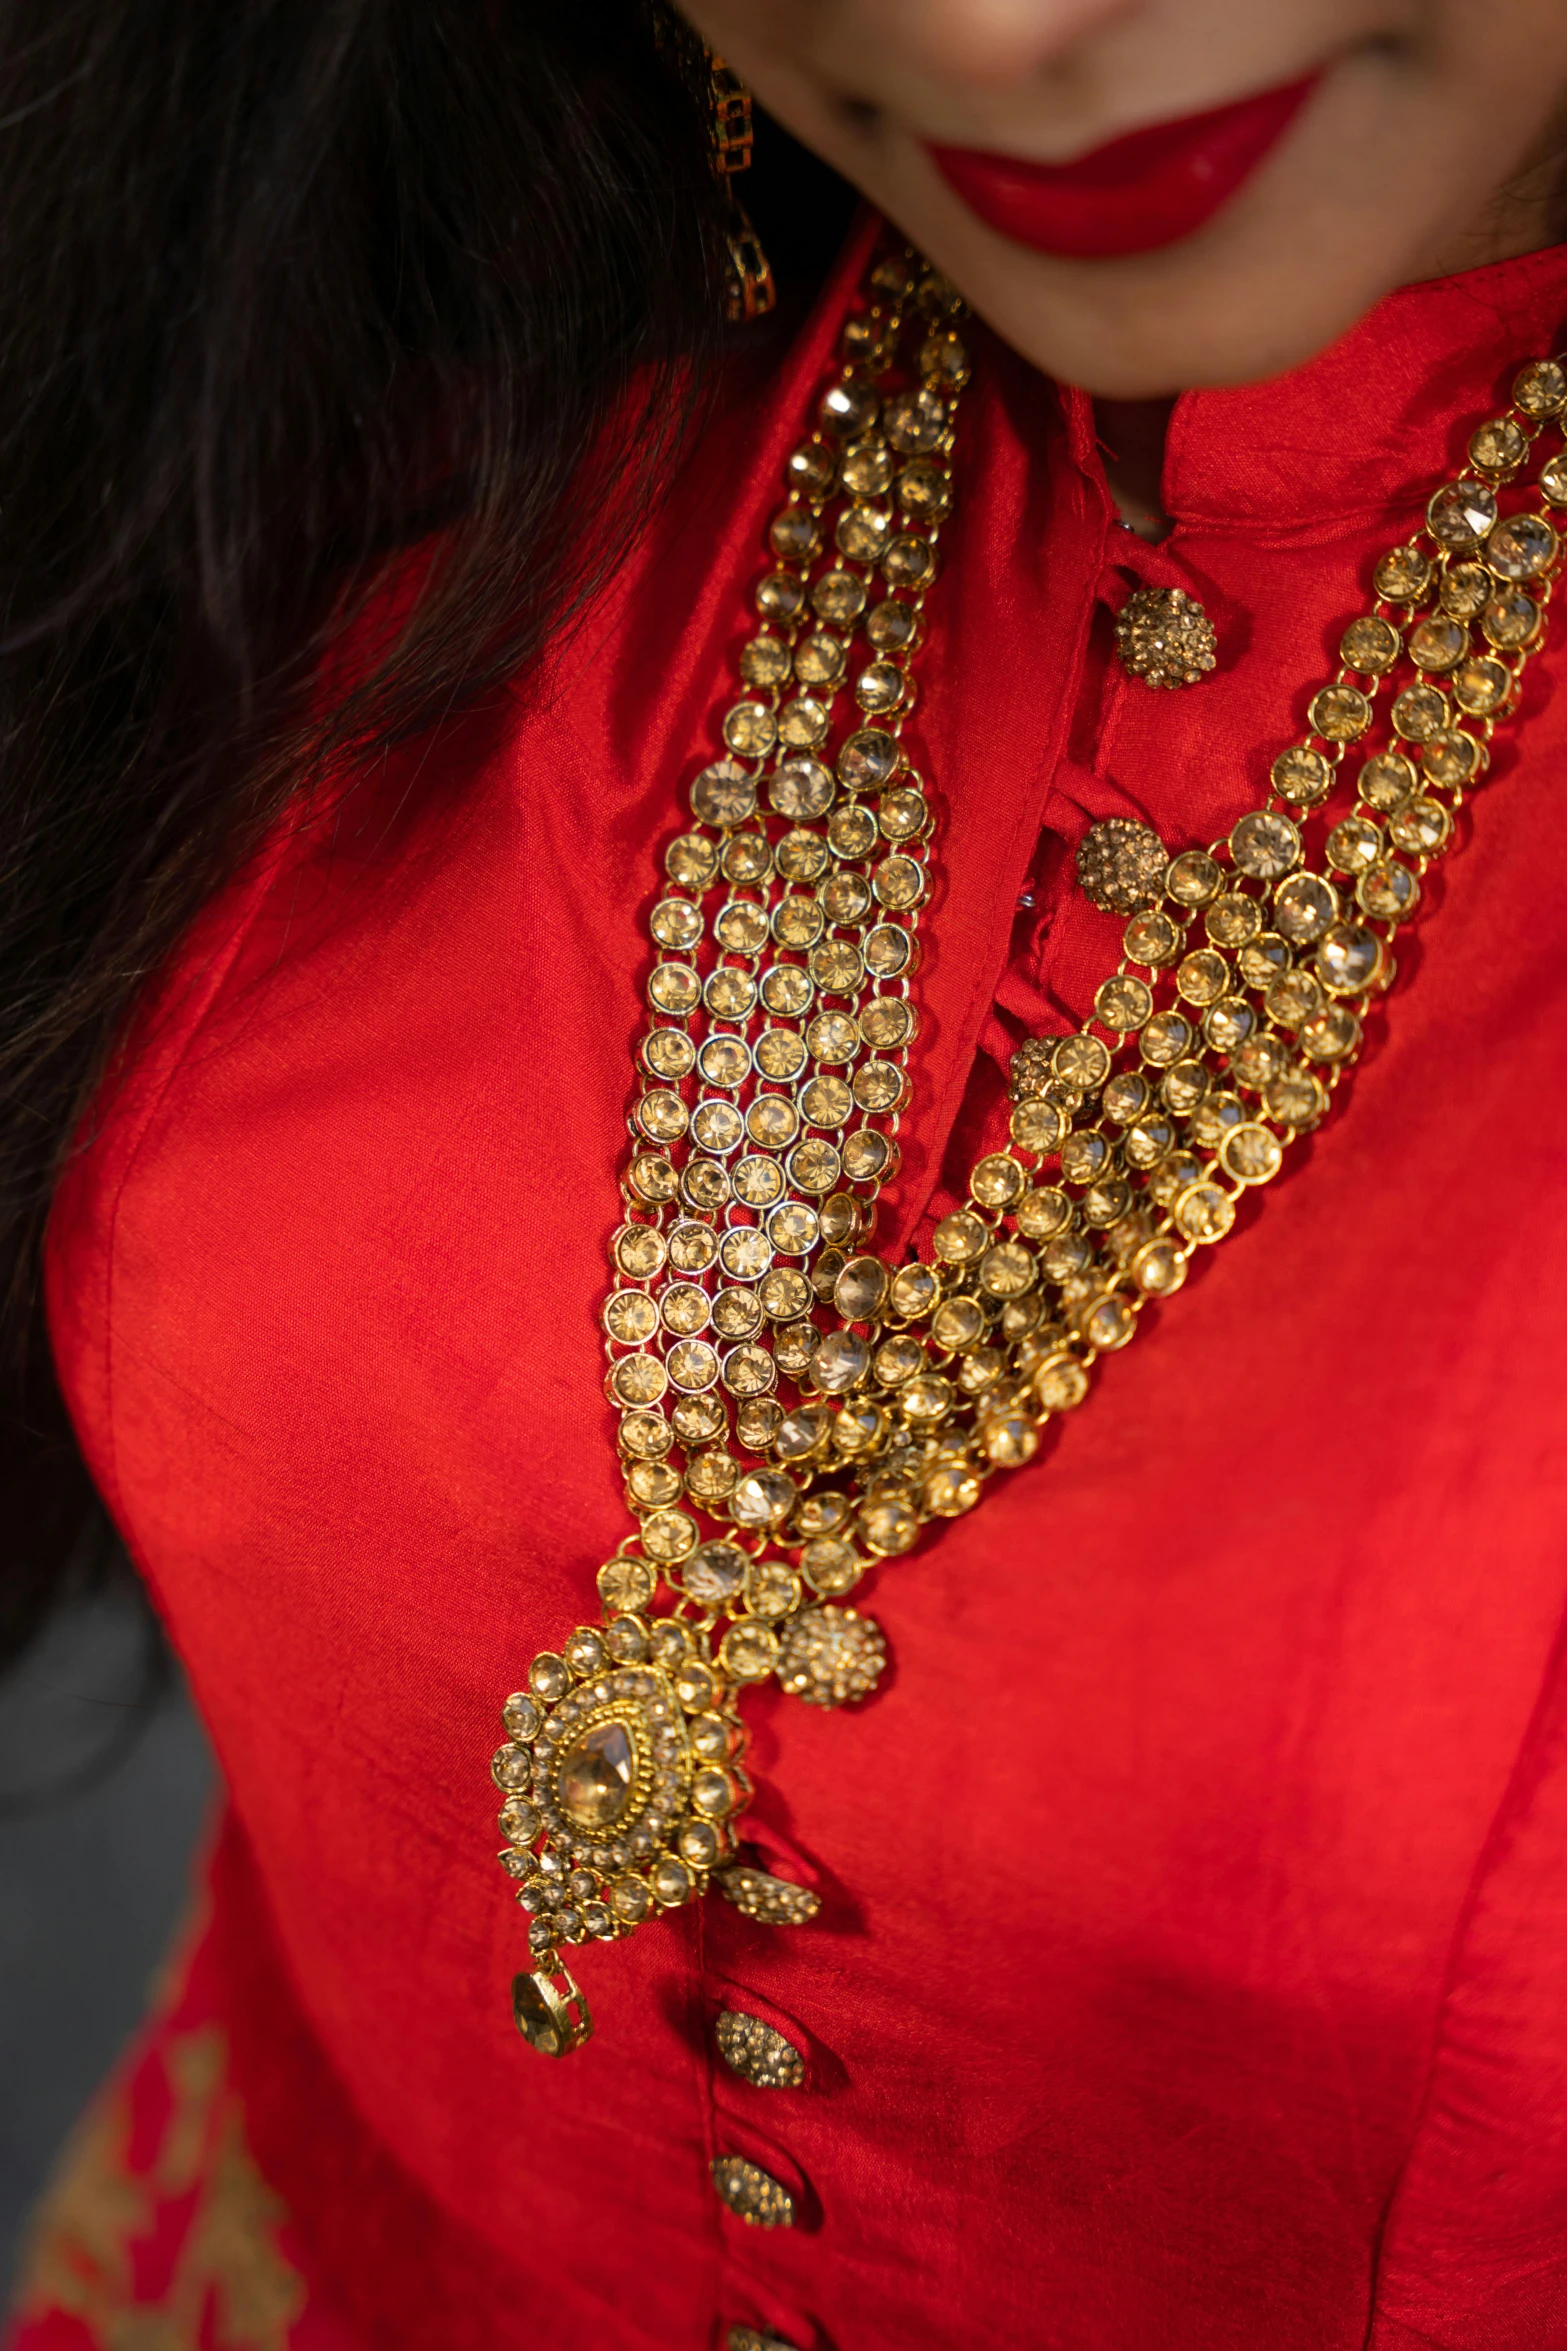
{"points": [[830, 1656], [757, 2052], [1165, 638], [1121, 865], [753, 2195], [775, 1902]]}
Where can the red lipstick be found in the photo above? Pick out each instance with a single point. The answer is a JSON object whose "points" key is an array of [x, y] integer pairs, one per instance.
{"points": [[1151, 188]]}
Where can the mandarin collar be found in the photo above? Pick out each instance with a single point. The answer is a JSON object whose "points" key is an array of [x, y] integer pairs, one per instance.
{"points": [[1369, 425]]}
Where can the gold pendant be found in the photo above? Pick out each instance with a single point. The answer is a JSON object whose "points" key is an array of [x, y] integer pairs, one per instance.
{"points": [[774, 1073]]}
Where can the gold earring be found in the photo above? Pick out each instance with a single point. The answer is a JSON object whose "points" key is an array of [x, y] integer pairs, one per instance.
{"points": [[749, 291]]}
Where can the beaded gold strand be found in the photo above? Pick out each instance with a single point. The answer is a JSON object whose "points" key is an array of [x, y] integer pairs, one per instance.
{"points": [[794, 1408]]}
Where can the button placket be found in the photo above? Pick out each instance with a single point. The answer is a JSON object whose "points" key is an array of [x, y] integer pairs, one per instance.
{"points": [[754, 2047]]}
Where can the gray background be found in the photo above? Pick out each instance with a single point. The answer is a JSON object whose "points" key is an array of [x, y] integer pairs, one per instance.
{"points": [[92, 1882]]}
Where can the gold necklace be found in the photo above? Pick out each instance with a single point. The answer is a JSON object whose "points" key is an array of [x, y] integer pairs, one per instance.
{"points": [[773, 1074]]}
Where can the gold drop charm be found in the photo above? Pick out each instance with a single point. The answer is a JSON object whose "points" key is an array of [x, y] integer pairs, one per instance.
{"points": [[551, 2014]]}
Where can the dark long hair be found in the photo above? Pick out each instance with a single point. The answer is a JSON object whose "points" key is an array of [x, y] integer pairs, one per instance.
{"points": [[286, 286]]}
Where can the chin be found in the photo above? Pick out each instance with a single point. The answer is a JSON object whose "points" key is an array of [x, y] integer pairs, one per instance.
{"points": [[1155, 325]]}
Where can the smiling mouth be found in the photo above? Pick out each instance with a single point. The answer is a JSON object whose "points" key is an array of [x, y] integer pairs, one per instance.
{"points": [[1134, 195]]}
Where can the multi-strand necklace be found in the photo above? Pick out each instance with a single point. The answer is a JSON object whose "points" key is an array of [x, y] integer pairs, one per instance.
{"points": [[794, 1409]]}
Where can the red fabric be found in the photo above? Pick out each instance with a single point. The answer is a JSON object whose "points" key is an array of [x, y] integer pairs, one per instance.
{"points": [[1191, 1969]]}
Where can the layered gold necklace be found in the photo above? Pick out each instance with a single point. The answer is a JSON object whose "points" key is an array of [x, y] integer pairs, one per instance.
{"points": [[794, 1409]]}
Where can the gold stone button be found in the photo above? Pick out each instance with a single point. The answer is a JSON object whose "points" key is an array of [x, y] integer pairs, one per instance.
{"points": [[831, 1656], [1165, 638], [774, 1902], [757, 2052], [753, 2195], [749, 2339], [1121, 865]]}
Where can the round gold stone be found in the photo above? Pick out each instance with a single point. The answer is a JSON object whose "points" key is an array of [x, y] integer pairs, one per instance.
{"points": [[1265, 846], [1386, 779], [1354, 845], [961, 1237], [1540, 389], [1369, 645], [926, 1399], [830, 1565], [1332, 1034], [1124, 1003], [887, 1528], [1006, 1442], [914, 1292], [1403, 576], [1159, 1268], [1498, 447], [749, 1650], [1037, 1126], [1193, 878], [867, 468], [1251, 1154], [1388, 893], [1205, 1213], [1061, 1382], [958, 1322], [996, 1180], [1203, 976], [1082, 1061], [1349, 959], [1107, 1323], [1461, 513], [1438, 644], [1510, 619], [1166, 1039], [1086, 1155], [1482, 686], [1523, 547], [1465, 587], [1297, 1099], [861, 1289], [1293, 997], [1340, 714], [1420, 712], [638, 1381], [1234, 918], [1152, 939], [1421, 828], [1007, 1270], [1303, 776]]}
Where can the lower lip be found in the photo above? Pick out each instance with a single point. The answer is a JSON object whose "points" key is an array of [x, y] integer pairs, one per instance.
{"points": [[1140, 193]]}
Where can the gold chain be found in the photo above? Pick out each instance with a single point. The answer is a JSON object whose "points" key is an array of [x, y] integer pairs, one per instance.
{"points": [[774, 1074]]}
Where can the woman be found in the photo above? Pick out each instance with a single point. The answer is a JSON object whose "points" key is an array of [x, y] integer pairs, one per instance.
{"points": [[986, 831]]}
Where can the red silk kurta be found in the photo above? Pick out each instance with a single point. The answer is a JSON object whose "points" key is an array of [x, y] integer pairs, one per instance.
{"points": [[1192, 1966]]}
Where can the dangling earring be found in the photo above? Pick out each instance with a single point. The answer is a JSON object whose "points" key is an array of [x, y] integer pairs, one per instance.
{"points": [[749, 291]]}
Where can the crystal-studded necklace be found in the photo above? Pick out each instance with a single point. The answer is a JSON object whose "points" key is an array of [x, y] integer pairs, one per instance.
{"points": [[794, 1409]]}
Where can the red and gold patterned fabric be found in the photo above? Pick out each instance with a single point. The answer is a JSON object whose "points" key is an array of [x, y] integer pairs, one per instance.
{"points": [[159, 2233], [1192, 1963]]}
